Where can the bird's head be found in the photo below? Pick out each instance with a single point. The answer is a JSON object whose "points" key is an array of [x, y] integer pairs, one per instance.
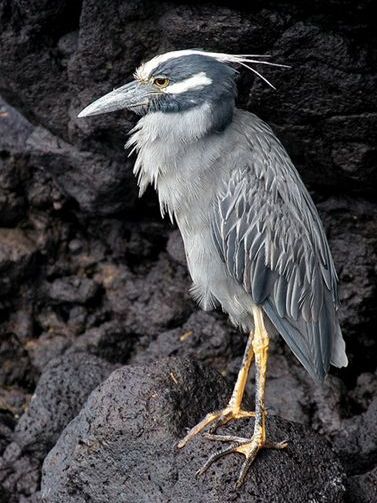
{"points": [[178, 81]]}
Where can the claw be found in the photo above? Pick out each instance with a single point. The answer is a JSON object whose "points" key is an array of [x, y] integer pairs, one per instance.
{"points": [[214, 458], [226, 438], [245, 446], [276, 445]]}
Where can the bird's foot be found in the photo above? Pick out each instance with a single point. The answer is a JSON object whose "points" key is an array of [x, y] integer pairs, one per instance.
{"points": [[245, 446], [216, 419]]}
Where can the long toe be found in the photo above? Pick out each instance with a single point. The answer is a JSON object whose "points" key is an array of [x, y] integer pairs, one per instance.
{"points": [[214, 420], [248, 448], [229, 415]]}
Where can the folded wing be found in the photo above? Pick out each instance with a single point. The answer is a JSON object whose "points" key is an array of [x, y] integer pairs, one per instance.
{"points": [[269, 234]]}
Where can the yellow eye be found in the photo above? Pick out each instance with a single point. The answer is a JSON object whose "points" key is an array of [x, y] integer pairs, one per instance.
{"points": [[161, 82]]}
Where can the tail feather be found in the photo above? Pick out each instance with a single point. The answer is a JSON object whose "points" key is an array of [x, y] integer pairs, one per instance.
{"points": [[296, 342], [307, 340], [338, 354]]}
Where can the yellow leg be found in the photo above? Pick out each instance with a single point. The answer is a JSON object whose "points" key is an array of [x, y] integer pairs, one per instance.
{"points": [[260, 346], [249, 447], [233, 410]]}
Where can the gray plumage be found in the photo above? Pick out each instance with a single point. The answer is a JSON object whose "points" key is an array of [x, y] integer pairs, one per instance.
{"points": [[251, 232]]}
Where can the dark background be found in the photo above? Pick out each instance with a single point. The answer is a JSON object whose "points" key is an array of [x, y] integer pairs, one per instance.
{"points": [[87, 268]]}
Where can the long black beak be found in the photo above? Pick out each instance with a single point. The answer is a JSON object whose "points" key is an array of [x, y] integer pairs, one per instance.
{"points": [[132, 96]]}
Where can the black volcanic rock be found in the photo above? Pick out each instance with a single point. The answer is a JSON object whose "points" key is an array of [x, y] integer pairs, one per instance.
{"points": [[59, 396], [363, 488], [163, 288], [15, 365], [17, 252], [87, 267], [351, 226], [356, 443], [72, 289], [123, 447], [97, 182]]}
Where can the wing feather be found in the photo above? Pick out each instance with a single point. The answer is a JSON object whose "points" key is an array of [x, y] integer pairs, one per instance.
{"points": [[270, 236]]}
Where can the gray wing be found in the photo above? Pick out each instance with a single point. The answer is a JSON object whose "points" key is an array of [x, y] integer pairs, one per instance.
{"points": [[270, 236]]}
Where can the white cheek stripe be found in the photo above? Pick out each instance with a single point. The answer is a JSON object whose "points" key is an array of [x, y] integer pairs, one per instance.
{"points": [[196, 81]]}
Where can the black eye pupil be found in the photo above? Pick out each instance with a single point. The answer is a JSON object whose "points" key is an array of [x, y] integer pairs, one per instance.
{"points": [[160, 82]]}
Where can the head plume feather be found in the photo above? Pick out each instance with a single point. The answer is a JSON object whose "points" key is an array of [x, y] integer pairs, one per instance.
{"points": [[244, 60]]}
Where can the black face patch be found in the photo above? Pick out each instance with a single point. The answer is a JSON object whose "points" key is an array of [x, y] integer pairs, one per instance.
{"points": [[220, 94], [184, 67]]}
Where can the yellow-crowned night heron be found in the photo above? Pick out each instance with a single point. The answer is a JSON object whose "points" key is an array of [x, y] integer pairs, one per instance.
{"points": [[254, 242]]}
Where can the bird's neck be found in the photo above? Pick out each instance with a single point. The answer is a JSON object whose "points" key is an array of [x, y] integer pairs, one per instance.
{"points": [[161, 138]]}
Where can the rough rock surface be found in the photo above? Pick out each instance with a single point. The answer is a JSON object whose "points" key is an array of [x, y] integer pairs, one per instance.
{"points": [[122, 447], [363, 488], [87, 267], [16, 257], [61, 392], [357, 441]]}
